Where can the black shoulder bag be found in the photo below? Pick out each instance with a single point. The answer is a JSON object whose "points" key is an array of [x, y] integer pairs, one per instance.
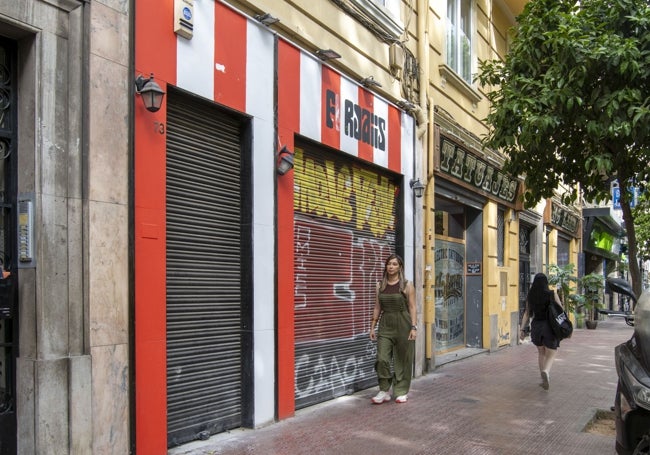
{"points": [[559, 320]]}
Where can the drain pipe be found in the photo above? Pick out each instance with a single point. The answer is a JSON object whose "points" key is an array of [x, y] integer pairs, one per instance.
{"points": [[423, 59], [429, 245], [131, 217], [425, 113]]}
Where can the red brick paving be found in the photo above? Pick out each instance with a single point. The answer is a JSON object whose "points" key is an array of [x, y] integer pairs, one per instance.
{"points": [[487, 404]]}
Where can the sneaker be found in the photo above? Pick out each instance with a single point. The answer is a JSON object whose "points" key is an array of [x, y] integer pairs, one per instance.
{"points": [[381, 397], [545, 383], [401, 399]]}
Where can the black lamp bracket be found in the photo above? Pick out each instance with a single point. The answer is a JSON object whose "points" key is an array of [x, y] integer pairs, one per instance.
{"points": [[141, 81]]}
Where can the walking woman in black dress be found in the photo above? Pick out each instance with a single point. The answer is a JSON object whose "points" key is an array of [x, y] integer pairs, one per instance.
{"points": [[541, 334]]}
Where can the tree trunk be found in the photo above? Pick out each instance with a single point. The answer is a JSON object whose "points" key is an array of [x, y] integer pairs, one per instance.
{"points": [[635, 271]]}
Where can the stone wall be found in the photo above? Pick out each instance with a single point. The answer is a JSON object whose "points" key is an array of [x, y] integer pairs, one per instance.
{"points": [[73, 145]]}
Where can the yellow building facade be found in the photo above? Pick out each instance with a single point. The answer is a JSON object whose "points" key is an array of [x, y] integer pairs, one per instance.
{"points": [[423, 57], [248, 215]]}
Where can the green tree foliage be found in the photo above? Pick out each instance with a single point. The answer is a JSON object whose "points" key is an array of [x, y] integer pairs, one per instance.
{"points": [[570, 104], [564, 279]]}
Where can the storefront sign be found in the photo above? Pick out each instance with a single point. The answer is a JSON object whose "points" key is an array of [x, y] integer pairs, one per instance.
{"points": [[461, 164], [358, 123], [563, 219]]}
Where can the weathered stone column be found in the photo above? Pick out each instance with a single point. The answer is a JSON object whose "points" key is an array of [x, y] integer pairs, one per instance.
{"points": [[72, 368]]}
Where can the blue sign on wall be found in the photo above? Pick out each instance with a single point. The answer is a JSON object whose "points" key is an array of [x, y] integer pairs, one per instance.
{"points": [[616, 196]]}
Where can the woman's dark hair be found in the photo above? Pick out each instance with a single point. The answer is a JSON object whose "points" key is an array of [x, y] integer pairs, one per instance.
{"points": [[539, 290]]}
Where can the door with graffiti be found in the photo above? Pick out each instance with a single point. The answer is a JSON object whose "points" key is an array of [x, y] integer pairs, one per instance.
{"points": [[344, 228]]}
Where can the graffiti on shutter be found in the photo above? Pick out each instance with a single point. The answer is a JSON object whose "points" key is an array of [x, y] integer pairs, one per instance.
{"points": [[345, 219]]}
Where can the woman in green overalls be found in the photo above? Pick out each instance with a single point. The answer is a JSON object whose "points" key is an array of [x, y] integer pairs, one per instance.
{"points": [[395, 302]]}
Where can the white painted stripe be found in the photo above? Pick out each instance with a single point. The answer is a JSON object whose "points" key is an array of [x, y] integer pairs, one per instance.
{"points": [[408, 150], [259, 71], [260, 63], [264, 337], [409, 171], [349, 92], [310, 97], [195, 57], [380, 157]]}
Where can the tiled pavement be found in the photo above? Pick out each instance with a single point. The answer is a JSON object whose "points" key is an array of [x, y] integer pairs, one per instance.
{"points": [[490, 403]]}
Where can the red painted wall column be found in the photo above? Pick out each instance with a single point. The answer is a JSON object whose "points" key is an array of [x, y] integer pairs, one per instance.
{"points": [[288, 124], [155, 52]]}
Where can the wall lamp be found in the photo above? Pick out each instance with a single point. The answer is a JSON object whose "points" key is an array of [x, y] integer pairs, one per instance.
{"points": [[151, 93], [267, 19], [417, 187], [327, 54], [369, 82], [406, 105], [284, 161]]}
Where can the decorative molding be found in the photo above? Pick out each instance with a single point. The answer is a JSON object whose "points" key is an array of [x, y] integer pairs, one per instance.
{"points": [[449, 75], [451, 128], [66, 5], [382, 16]]}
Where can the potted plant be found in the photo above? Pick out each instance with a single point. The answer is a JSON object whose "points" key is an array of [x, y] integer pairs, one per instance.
{"points": [[564, 280], [577, 301], [592, 285]]}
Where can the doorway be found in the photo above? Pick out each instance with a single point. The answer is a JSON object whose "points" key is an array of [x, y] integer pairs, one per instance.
{"points": [[524, 266], [8, 256], [208, 278]]}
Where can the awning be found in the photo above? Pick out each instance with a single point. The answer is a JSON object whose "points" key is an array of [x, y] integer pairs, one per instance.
{"points": [[604, 215], [601, 232]]}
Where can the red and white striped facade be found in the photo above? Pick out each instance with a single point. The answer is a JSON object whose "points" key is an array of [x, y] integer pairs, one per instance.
{"points": [[239, 63]]}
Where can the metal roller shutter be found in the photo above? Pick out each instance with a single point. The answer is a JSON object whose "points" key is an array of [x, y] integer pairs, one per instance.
{"points": [[345, 218], [204, 345]]}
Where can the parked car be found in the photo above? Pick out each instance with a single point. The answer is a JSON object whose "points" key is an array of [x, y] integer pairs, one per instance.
{"points": [[632, 401]]}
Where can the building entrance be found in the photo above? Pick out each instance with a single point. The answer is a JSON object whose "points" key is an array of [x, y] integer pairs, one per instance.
{"points": [[524, 266], [8, 264]]}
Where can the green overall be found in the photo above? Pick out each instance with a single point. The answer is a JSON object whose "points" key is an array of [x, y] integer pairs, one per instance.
{"points": [[393, 343]]}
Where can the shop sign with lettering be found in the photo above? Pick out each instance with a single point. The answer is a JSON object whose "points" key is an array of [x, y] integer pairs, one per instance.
{"points": [[461, 164], [563, 219], [358, 122]]}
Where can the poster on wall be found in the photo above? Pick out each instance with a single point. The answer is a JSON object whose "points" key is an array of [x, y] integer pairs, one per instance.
{"points": [[450, 295]]}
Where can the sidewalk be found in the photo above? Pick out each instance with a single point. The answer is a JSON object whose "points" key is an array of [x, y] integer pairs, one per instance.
{"points": [[489, 403]]}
